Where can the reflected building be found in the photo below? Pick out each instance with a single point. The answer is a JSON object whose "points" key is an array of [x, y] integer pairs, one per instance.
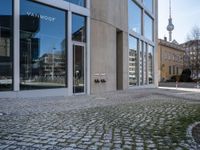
{"points": [[77, 46], [142, 36], [5, 52], [52, 67], [132, 67]]}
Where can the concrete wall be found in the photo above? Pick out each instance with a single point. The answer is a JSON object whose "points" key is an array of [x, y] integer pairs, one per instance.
{"points": [[156, 61], [107, 18], [112, 12]]}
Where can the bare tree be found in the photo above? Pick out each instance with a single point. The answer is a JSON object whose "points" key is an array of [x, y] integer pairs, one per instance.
{"points": [[194, 38], [194, 34]]}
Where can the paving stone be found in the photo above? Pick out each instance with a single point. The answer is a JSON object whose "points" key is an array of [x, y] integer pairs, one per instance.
{"points": [[132, 119]]}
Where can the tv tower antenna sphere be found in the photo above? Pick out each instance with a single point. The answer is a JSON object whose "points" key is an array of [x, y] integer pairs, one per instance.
{"points": [[170, 26]]}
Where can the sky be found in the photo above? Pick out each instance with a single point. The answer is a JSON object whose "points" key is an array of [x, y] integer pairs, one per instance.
{"points": [[185, 15]]}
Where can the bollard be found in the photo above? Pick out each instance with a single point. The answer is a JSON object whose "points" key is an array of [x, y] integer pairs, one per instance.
{"points": [[176, 84], [197, 84]]}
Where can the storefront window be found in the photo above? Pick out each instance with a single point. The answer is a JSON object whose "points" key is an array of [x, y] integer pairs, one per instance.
{"points": [[78, 2], [150, 63], [6, 51], [78, 28], [134, 16], [42, 46], [148, 27], [133, 58], [148, 4]]}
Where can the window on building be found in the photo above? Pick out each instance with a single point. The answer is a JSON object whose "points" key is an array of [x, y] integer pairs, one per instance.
{"points": [[42, 46], [174, 70], [169, 57], [150, 63], [78, 2], [134, 17], [148, 27], [170, 70], [177, 71], [148, 4], [133, 59], [173, 58], [78, 28], [6, 46]]}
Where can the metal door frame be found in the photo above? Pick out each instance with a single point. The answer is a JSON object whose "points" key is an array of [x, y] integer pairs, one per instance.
{"points": [[74, 43]]}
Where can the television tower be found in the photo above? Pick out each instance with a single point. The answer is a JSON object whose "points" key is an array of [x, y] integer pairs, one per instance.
{"points": [[170, 26]]}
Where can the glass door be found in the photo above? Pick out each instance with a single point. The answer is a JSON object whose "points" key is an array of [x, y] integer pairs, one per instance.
{"points": [[78, 68]]}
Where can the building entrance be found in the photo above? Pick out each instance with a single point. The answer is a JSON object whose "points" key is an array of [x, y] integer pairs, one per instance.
{"points": [[78, 68]]}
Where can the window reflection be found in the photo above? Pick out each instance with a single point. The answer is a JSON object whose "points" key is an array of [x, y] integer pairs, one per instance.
{"points": [[78, 2], [148, 4], [6, 45], [78, 69], [42, 46], [150, 64], [78, 28], [141, 63], [133, 55], [134, 17], [145, 64], [148, 27]]}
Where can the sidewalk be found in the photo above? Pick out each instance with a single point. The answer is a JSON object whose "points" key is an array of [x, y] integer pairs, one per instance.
{"points": [[196, 90], [138, 119]]}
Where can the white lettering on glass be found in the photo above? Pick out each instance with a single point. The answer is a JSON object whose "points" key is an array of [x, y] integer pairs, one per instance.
{"points": [[44, 17]]}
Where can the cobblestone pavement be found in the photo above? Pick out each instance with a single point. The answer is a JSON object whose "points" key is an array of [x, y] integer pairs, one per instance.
{"points": [[135, 119]]}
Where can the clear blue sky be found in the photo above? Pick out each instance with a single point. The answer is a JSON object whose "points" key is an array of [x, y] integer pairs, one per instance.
{"points": [[185, 15]]}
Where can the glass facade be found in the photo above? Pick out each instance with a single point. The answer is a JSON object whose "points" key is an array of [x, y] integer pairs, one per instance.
{"points": [[148, 4], [141, 63], [133, 59], [78, 69], [78, 28], [79, 39], [148, 27], [6, 50], [78, 2], [42, 46], [150, 63], [145, 64], [134, 17], [141, 21]]}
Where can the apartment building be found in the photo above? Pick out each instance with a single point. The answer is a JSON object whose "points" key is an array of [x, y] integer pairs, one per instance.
{"points": [[192, 58], [170, 58]]}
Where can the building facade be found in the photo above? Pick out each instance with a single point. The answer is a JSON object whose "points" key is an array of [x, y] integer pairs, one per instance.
{"points": [[192, 58], [67, 47], [171, 59]]}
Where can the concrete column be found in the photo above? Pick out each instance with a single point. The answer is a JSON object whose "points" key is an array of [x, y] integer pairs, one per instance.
{"points": [[70, 55], [88, 53], [156, 69], [16, 48]]}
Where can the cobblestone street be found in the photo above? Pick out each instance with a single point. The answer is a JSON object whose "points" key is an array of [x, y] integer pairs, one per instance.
{"points": [[135, 119]]}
